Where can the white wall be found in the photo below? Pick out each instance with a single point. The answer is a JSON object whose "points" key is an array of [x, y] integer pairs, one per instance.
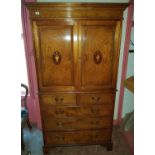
{"points": [[120, 62], [128, 102]]}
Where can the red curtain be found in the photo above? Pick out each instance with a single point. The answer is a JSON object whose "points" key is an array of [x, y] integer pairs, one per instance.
{"points": [[33, 102]]}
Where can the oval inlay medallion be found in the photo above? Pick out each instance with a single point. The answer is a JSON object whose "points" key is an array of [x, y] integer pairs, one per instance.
{"points": [[56, 57], [98, 57]]}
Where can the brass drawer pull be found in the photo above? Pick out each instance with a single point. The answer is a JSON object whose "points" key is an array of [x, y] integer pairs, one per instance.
{"points": [[60, 124], [60, 138], [59, 111], [59, 100], [37, 13], [95, 111], [96, 98]]}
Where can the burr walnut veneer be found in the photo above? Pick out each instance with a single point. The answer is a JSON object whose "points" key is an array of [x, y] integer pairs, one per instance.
{"points": [[76, 49]]}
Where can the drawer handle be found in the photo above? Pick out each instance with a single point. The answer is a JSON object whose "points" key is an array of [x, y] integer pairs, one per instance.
{"points": [[58, 137], [95, 111], [59, 111], [60, 124], [96, 98], [37, 13], [59, 100]]}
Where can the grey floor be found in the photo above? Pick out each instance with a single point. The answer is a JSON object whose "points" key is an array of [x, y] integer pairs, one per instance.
{"points": [[33, 143]]}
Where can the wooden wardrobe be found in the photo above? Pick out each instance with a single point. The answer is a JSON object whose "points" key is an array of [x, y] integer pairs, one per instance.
{"points": [[76, 48]]}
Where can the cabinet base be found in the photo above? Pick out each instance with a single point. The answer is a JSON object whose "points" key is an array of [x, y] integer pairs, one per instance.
{"points": [[46, 149], [109, 146]]}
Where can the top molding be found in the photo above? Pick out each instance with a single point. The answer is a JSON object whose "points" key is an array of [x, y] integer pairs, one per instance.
{"points": [[42, 11]]}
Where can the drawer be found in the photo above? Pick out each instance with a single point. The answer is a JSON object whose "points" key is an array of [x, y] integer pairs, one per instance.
{"points": [[77, 111], [77, 137], [95, 98], [58, 99], [60, 124]]}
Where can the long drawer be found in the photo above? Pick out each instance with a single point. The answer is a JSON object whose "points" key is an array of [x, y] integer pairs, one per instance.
{"points": [[61, 124], [95, 98], [77, 111], [78, 137]]}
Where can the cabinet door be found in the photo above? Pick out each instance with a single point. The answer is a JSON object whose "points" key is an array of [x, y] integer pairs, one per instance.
{"points": [[55, 53], [99, 50]]}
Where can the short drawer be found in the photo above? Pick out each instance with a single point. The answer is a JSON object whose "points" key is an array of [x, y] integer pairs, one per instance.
{"points": [[95, 98], [60, 124], [77, 137], [58, 99], [77, 111]]}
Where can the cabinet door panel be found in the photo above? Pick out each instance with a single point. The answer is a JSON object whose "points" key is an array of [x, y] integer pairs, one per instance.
{"points": [[97, 53], [55, 55]]}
